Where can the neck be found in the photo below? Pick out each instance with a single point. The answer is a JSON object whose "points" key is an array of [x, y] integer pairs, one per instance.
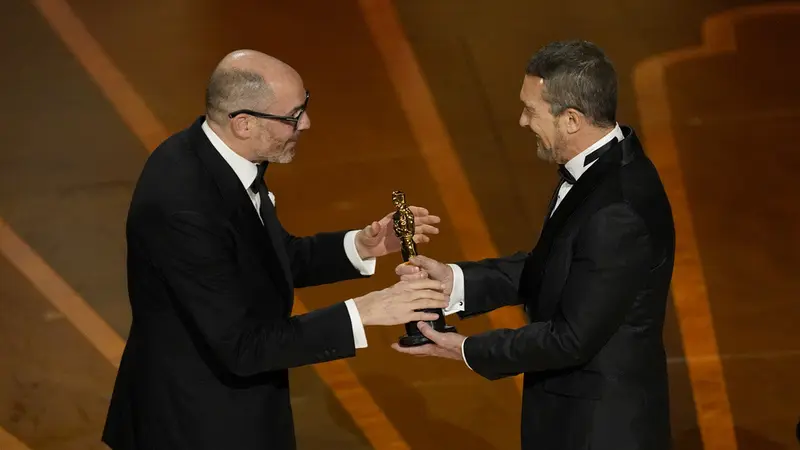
{"points": [[229, 140], [583, 140]]}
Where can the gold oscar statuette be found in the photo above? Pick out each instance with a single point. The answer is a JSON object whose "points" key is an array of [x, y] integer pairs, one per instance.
{"points": [[404, 225], [404, 228]]}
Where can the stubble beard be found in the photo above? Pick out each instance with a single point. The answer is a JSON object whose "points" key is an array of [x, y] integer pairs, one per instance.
{"points": [[544, 153], [281, 152]]}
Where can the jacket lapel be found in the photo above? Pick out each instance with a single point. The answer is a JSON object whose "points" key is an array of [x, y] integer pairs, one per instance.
{"points": [[273, 227], [579, 192], [619, 154], [235, 195]]}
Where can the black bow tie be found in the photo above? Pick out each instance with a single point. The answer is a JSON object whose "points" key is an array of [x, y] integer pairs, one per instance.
{"points": [[262, 168], [590, 158], [566, 177]]}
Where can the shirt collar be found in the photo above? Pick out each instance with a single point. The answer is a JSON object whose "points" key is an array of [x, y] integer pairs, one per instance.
{"points": [[575, 165], [244, 169]]}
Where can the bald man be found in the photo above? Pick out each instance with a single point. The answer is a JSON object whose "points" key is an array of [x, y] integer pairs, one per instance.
{"points": [[212, 273]]}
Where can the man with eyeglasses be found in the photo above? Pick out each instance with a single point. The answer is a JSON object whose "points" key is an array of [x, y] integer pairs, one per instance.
{"points": [[212, 272]]}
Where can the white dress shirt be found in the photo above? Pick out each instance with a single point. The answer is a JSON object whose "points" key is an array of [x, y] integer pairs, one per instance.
{"points": [[247, 173], [576, 168]]}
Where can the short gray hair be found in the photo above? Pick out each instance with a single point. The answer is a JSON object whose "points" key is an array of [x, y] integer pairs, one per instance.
{"points": [[232, 89], [577, 74]]}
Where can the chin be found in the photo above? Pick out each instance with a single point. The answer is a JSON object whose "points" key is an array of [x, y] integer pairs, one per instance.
{"points": [[543, 153], [287, 156]]}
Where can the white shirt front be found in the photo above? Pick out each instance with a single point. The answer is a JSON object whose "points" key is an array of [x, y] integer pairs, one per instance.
{"points": [[576, 168], [247, 172]]}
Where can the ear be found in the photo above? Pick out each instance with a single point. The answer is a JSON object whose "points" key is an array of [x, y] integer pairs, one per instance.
{"points": [[242, 126], [574, 120]]}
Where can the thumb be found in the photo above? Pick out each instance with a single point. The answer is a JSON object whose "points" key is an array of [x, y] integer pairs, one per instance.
{"points": [[423, 262], [429, 332], [372, 229]]}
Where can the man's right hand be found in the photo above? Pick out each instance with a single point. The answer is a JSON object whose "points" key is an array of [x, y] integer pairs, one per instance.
{"points": [[422, 267], [400, 303]]}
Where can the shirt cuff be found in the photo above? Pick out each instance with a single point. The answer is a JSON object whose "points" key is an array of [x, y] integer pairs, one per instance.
{"points": [[463, 355], [365, 266], [359, 336], [457, 295]]}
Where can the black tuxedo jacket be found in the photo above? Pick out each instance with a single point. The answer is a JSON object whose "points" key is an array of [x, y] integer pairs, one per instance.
{"points": [[595, 288], [211, 293]]}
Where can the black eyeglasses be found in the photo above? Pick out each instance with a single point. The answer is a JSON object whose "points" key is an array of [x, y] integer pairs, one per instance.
{"points": [[291, 120]]}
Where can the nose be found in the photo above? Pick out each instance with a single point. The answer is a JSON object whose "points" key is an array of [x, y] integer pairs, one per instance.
{"points": [[305, 122], [523, 120]]}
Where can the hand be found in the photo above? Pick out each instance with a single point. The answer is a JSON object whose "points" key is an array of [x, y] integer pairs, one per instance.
{"points": [[446, 345], [421, 267], [399, 303], [378, 239]]}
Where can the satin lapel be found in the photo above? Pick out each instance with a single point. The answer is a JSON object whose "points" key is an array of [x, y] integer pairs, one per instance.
{"points": [[274, 228], [535, 263], [234, 194], [581, 190]]}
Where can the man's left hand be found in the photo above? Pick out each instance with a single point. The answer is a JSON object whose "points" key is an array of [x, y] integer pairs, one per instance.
{"points": [[378, 239], [446, 345]]}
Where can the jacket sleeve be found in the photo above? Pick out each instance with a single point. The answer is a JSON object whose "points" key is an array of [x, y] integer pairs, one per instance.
{"points": [[319, 259], [609, 267], [491, 283], [195, 255]]}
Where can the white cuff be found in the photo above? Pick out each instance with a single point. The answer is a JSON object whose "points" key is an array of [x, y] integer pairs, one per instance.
{"points": [[463, 356], [359, 336], [365, 266], [457, 295]]}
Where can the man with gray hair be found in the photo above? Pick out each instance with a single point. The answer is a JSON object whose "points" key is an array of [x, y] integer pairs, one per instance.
{"points": [[595, 286], [212, 273]]}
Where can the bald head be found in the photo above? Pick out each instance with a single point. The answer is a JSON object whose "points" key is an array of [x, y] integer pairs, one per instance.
{"points": [[247, 79]]}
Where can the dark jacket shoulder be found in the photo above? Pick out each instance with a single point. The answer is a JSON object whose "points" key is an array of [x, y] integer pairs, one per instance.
{"points": [[174, 179]]}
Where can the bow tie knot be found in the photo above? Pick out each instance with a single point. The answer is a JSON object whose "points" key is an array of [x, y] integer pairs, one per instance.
{"points": [[565, 175]]}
